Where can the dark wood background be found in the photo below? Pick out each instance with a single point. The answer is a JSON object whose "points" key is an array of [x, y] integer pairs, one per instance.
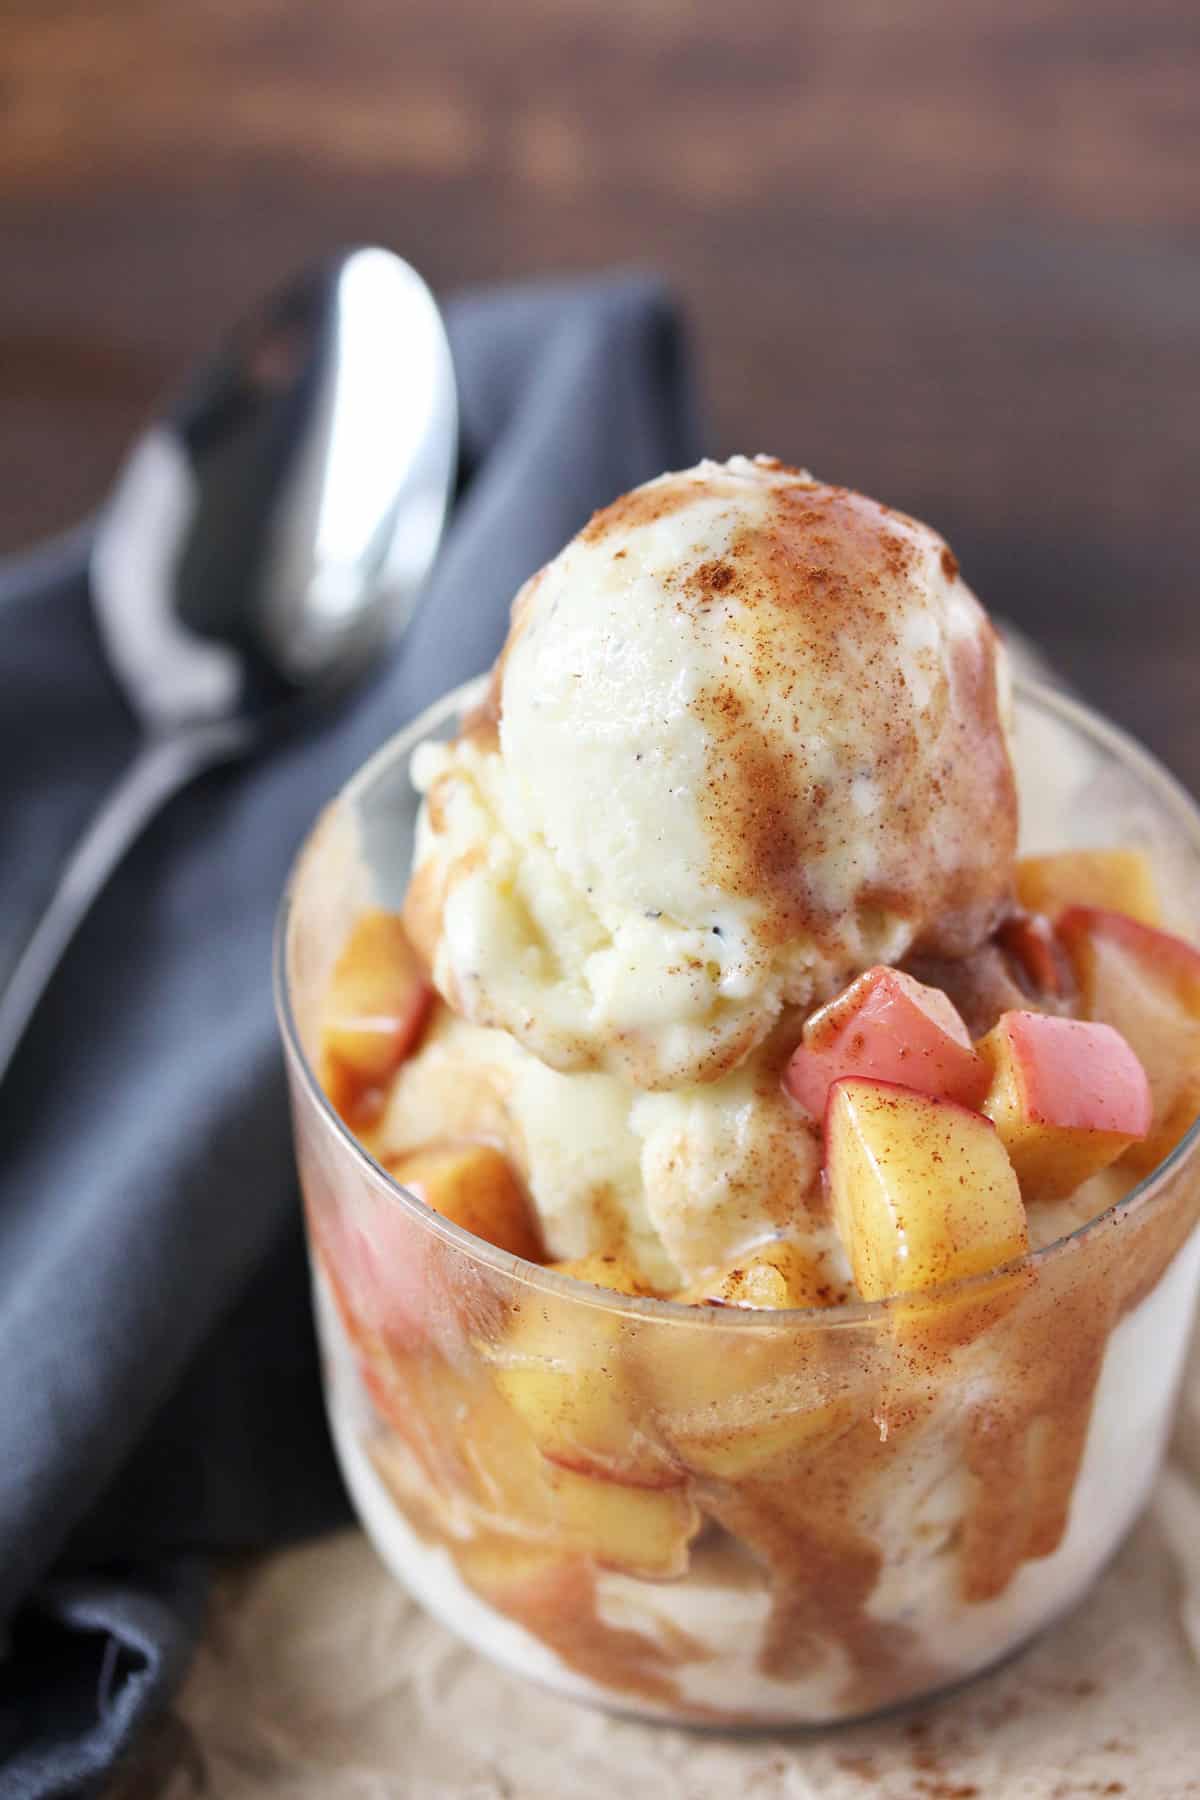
{"points": [[946, 250]]}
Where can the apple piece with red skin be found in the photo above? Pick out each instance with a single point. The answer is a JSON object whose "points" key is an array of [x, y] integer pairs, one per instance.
{"points": [[394, 1276], [1068, 1097], [1146, 984], [1163, 960], [383, 1267], [378, 1000], [1117, 880], [886, 1026], [922, 1190]]}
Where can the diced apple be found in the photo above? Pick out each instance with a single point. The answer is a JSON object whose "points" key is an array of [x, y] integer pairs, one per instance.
{"points": [[775, 1275], [886, 1026], [608, 1269], [922, 1190], [730, 1402], [762, 1436], [477, 1188], [562, 1368], [1067, 1096], [1162, 960], [935, 1326], [376, 1007], [418, 1396], [1146, 984], [1118, 880], [380, 1261], [643, 1531]]}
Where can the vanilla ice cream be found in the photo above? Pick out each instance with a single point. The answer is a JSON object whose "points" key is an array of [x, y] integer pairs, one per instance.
{"points": [[746, 738], [681, 1182]]}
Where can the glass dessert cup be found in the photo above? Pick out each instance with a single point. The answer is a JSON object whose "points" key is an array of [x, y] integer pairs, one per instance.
{"points": [[725, 1516]]}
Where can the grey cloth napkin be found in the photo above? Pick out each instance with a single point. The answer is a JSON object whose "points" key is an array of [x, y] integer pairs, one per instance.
{"points": [[159, 1395]]}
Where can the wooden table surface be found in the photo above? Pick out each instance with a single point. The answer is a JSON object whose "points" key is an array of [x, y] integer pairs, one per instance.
{"points": [[945, 250]]}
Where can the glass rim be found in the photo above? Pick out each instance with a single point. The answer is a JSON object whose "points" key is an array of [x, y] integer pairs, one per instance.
{"points": [[1167, 790]]}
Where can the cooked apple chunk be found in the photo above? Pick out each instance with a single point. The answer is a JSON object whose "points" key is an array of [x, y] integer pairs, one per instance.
{"points": [[922, 1190], [644, 1531], [1146, 984], [886, 1026], [731, 1401], [641, 1530], [1067, 1096], [562, 1367], [1118, 880], [763, 1437], [608, 1269], [773, 1276], [475, 1186], [378, 999]]}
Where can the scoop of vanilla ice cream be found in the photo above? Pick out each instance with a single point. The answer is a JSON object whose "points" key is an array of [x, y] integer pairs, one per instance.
{"points": [[682, 1182], [746, 738]]}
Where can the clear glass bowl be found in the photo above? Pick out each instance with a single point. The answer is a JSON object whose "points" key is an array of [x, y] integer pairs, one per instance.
{"points": [[722, 1516]]}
